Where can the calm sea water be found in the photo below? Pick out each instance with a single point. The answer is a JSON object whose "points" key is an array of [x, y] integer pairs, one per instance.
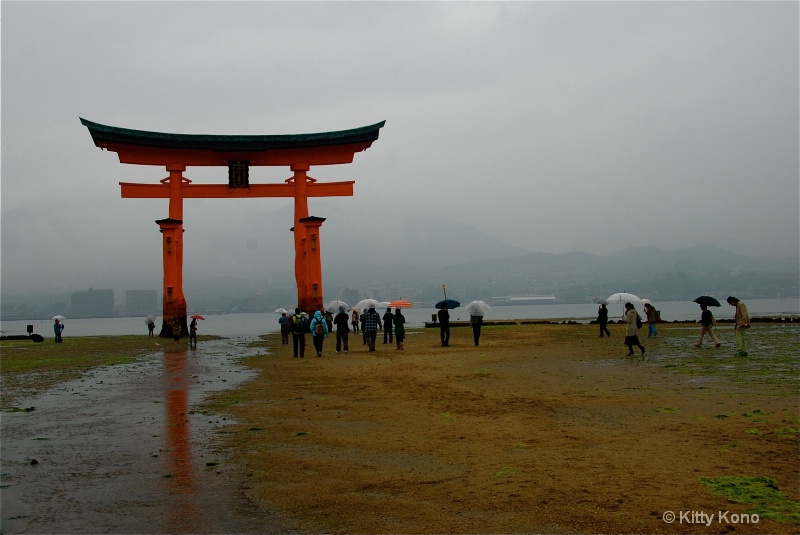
{"points": [[253, 324]]}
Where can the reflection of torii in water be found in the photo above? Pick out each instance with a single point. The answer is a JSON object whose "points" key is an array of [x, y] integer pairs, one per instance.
{"points": [[178, 151]]}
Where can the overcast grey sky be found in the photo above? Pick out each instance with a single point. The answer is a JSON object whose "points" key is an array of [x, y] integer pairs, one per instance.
{"points": [[588, 126]]}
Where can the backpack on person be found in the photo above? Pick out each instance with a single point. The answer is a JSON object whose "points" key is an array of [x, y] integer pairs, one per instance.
{"points": [[298, 324], [319, 329], [658, 315]]}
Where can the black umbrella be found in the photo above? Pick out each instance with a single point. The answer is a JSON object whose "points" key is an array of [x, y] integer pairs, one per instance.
{"points": [[707, 300], [451, 304]]}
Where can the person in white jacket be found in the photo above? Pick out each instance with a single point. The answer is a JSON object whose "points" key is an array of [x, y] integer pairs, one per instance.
{"points": [[633, 319]]}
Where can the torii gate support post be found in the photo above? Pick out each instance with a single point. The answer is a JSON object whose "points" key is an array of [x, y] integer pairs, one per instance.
{"points": [[174, 303], [308, 251]]}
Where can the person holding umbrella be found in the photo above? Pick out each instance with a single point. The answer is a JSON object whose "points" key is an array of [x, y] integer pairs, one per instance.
{"points": [[634, 321], [58, 328], [444, 325], [602, 319], [399, 329], [476, 322], [741, 322], [477, 310], [707, 322], [193, 332]]}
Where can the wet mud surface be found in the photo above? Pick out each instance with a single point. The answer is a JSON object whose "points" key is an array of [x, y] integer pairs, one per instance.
{"points": [[124, 450]]}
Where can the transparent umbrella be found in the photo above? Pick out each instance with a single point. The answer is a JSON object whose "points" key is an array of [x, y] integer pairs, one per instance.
{"points": [[333, 306], [623, 297], [477, 308], [367, 303]]}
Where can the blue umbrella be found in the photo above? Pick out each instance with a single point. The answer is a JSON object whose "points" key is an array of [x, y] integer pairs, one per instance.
{"points": [[451, 303]]}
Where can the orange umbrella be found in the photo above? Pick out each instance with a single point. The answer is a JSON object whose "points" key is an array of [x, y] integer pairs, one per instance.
{"points": [[198, 317], [400, 303]]}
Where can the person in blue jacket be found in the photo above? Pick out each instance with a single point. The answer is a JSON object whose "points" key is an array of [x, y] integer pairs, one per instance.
{"points": [[319, 330]]}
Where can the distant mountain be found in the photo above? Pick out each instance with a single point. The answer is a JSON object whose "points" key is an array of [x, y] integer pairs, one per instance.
{"points": [[372, 249]]}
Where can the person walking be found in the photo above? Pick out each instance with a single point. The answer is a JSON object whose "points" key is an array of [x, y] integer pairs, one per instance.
{"points": [[387, 325], [58, 328], [602, 319], [741, 322], [444, 325], [399, 322], [299, 329], [707, 323], [342, 330], [634, 321], [319, 330], [193, 333], [372, 322], [329, 320], [176, 330], [284, 323], [476, 322], [652, 319], [355, 320], [151, 326]]}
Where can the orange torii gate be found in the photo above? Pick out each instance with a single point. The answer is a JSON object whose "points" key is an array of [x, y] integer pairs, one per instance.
{"points": [[176, 152]]}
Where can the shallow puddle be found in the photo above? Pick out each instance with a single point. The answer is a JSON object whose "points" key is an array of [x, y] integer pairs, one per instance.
{"points": [[122, 451]]}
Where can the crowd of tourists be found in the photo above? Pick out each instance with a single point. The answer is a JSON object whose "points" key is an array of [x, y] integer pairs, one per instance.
{"points": [[321, 324]]}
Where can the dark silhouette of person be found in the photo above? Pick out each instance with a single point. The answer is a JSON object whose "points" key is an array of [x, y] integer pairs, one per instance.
{"points": [[444, 325], [602, 319], [387, 325]]}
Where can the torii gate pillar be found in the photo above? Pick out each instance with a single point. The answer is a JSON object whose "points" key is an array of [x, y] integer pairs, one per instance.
{"points": [[174, 300], [308, 264]]}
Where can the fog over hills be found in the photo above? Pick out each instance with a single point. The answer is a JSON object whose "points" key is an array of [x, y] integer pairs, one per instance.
{"points": [[412, 256]]}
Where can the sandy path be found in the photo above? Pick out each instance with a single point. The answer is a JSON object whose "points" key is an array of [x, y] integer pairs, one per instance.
{"points": [[540, 429]]}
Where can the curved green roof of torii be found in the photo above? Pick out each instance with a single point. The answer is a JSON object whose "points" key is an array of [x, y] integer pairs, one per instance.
{"points": [[102, 134]]}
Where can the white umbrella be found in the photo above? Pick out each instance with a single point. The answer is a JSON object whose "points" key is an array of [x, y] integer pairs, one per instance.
{"points": [[367, 303], [333, 306], [477, 308], [150, 319], [59, 317], [385, 304], [281, 311], [623, 297], [599, 301]]}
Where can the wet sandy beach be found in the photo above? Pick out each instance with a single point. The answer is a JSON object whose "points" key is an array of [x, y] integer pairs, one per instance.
{"points": [[122, 450]]}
